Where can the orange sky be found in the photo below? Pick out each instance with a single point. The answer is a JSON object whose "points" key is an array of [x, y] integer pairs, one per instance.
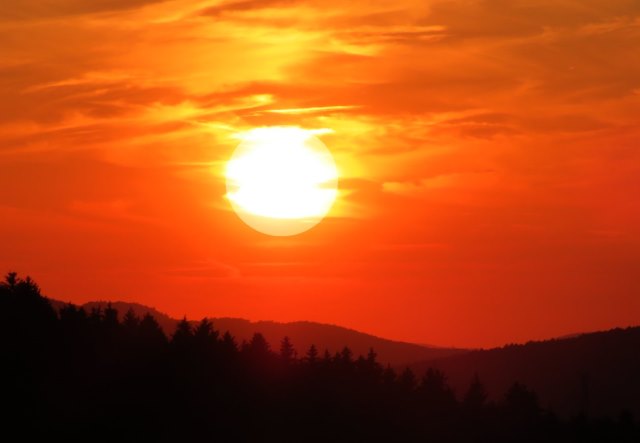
{"points": [[489, 154]]}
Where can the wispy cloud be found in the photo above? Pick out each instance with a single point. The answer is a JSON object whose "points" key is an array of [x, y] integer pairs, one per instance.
{"points": [[312, 109]]}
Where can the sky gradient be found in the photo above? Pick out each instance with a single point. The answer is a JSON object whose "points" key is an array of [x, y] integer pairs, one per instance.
{"points": [[489, 158]]}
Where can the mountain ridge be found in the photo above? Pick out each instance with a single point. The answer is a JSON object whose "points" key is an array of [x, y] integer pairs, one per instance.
{"points": [[582, 373], [302, 333], [587, 373]]}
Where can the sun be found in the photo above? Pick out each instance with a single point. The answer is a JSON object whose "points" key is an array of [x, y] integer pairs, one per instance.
{"points": [[281, 181]]}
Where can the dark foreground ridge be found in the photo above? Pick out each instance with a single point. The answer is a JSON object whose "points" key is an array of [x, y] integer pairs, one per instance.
{"points": [[101, 377], [595, 373]]}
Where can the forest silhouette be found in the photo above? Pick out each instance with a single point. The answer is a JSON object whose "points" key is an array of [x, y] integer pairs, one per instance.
{"points": [[106, 376]]}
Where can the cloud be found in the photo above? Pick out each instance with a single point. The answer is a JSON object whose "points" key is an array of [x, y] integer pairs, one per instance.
{"points": [[470, 181], [37, 9], [312, 110], [246, 5]]}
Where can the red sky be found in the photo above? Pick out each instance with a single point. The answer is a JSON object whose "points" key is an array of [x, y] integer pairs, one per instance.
{"points": [[489, 154]]}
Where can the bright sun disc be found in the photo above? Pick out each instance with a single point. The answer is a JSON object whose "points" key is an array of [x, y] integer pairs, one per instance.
{"points": [[281, 180]]}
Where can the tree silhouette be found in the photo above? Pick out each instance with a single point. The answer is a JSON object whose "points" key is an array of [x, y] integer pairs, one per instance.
{"points": [[10, 281], [345, 356], [408, 380], [130, 321], [76, 375], [72, 317], [204, 334], [312, 355], [476, 395], [229, 345], [151, 333], [373, 369], [436, 393], [287, 351], [389, 376], [22, 300], [521, 401], [183, 332], [110, 320], [259, 345]]}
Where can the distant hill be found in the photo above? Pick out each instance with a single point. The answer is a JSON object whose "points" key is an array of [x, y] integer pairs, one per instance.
{"points": [[597, 373], [302, 334]]}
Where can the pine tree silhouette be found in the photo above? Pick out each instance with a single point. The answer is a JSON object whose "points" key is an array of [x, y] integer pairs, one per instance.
{"points": [[408, 380], [130, 321], [259, 345], [229, 345], [205, 336], [72, 375], [312, 355], [476, 395], [287, 351], [434, 390], [151, 333], [182, 338], [389, 376]]}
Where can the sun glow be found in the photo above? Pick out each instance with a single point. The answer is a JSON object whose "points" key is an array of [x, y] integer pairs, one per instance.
{"points": [[281, 180]]}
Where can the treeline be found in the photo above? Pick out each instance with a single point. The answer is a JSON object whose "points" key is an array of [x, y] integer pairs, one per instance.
{"points": [[104, 377]]}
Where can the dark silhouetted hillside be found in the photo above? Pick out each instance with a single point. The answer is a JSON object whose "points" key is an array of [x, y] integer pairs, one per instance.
{"points": [[98, 374], [302, 334], [596, 373]]}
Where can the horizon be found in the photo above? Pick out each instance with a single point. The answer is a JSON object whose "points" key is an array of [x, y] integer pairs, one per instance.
{"points": [[77, 372], [470, 169], [256, 321]]}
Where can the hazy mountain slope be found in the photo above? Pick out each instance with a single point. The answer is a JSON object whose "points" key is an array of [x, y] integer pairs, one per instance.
{"points": [[595, 372], [302, 334], [332, 338]]}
